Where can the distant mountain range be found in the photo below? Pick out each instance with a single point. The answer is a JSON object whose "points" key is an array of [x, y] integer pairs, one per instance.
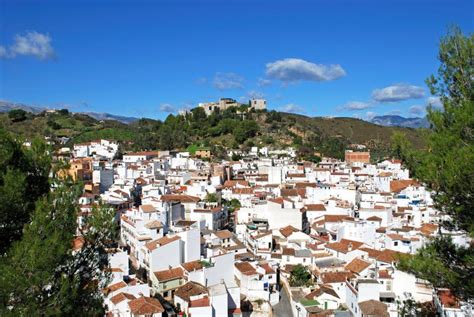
{"points": [[6, 106], [398, 121]]}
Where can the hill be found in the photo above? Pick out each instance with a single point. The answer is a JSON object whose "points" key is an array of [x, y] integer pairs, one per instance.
{"points": [[237, 127]]}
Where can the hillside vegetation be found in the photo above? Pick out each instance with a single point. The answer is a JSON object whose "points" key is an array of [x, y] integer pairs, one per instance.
{"points": [[236, 127]]}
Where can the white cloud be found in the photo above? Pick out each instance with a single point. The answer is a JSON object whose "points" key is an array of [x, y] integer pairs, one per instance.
{"points": [[370, 115], [292, 108], [263, 82], [417, 110], [253, 94], [356, 105], [398, 92], [29, 44], [168, 108], [434, 102], [224, 81], [291, 70]]}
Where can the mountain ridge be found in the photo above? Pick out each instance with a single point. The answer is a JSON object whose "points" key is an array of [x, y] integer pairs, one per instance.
{"points": [[399, 121], [6, 106]]}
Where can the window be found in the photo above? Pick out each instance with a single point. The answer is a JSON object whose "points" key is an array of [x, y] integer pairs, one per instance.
{"points": [[395, 243]]}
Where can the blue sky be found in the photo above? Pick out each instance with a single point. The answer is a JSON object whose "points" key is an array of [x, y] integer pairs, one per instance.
{"points": [[145, 59]]}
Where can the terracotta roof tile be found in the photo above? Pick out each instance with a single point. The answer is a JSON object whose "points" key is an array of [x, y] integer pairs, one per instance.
{"points": [[373, 308], [121, 297], [245, 268], [192, 266], [190, 289], [180, 198], [335, 277], [344, 246], [223, 234], [169, 274], [152, 245], [357, 265], [288, 230], [399, 185], [145, 306]]}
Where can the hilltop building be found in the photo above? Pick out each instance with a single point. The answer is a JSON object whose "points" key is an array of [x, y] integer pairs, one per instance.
{"points": [[225, 103]]}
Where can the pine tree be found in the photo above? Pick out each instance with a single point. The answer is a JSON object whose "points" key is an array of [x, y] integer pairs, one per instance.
{"points": [[446, 167], [43, 275], [24, 178]]}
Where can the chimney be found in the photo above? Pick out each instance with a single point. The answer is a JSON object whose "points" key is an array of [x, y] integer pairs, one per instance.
{"points": [[349, 247]]}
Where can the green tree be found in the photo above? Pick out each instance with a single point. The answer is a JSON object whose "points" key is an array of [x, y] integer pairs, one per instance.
{"points": [[42, 276], [247, 129], [300, 276], [17, 115], [446, 167], [24, 178], [211, 197]]}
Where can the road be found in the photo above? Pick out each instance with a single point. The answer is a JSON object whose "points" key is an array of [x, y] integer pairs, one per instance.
{"points": [[283, 308]]}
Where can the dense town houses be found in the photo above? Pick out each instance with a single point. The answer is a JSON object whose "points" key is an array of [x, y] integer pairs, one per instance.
{"points": [[221, 238]]}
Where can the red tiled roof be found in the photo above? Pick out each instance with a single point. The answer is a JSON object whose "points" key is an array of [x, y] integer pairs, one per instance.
{"points": [[233, 183], [180, 198], [335, 277], [145, 306], [121, 297], [147, 208], [190, 289], [357, 265], [344, 245], [315, 207], [288, 230], [161, 241], [169, 274], [447, 298], [223, 234], [245, 268], [192, 266], [399, 185], [202, 302]]}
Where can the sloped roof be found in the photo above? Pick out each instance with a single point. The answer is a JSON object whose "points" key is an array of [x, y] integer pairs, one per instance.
{"points": [[223, 234], [357, 265], [399, 185], [180, 197], [121, 297], [323, 289], [335, 277], [192, 266], [147, 208], [190, 289], [373, 308], [145, 306], [155, 224], [169, 274], [152, 245], [288, 230], [344, 245], [245, 268], [315, 207]]}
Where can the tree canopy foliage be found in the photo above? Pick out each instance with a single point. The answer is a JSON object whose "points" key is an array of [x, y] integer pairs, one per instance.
{"points": [[446, 166], [24, 179], [300, 276], [40, 272]]}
